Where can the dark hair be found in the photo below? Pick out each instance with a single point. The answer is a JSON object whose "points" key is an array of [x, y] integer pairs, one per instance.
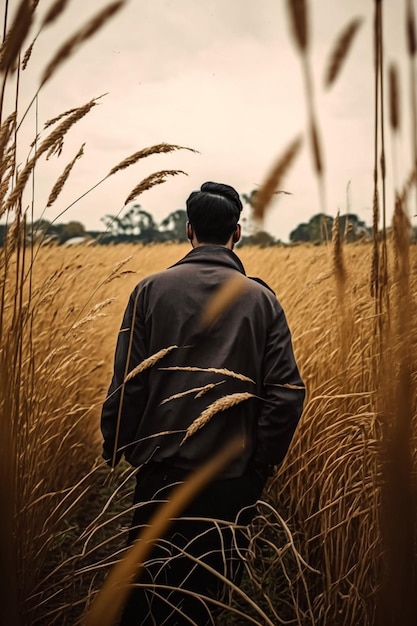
{"points": [[214, 212]]}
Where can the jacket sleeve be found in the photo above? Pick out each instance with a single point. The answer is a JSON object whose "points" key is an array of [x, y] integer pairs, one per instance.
{"points": [[284, 395], [123, 406]]}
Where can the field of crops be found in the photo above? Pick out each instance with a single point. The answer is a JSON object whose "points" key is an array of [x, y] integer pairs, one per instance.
{"points": [[316, 555], [334, 541]]}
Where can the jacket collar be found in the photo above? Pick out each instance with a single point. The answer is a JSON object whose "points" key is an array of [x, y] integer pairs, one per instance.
{"points": [[213, 255]]}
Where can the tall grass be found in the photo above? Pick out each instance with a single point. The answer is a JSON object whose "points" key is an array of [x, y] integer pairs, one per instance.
{"points": [[328, 493], [334, 541]]}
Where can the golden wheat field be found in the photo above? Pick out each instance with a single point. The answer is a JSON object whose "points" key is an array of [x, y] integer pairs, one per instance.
{"points": [[317, 543], [334, 539]]}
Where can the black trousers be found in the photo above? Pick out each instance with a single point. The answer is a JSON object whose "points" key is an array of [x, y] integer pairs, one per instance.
{"points": [[169, 590]]}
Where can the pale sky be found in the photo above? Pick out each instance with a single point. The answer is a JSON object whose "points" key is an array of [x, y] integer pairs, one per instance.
{"points": [[222, 77]]}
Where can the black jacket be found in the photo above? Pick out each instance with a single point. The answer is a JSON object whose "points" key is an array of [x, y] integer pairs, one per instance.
{"points": [[251, 338]]}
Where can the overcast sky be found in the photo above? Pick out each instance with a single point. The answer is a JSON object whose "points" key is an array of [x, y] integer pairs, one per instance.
{"points": [[222, 77]]}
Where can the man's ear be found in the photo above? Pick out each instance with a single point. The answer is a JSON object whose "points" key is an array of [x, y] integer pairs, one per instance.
{"points": [[189, 231], [237, 233]]}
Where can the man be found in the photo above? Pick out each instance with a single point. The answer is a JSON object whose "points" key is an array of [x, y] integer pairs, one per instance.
{"points": [[147, 416]]}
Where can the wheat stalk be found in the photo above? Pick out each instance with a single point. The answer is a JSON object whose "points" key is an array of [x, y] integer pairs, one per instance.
{"points": [[27, 55], [299, 21], [394, 98], [57, 188], [375, 246], [149, 362], [206, 388], [160, 148], [115, 273], [338, 262], [216, 407], [199, 391], [223, 298], [157, 178], [86, 320], [264, 194], [102, 305], [51, 141], [286, 385], [56, 135], [15, 37], [70, 46], [411, 30], [340, 51], [6, 130], [211, 370], [54, 11]]}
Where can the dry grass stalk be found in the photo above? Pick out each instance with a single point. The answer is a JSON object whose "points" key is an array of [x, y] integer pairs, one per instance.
{"points": [[394, 98], [315, 144], [15, 37], [57, 188], [6, 130], [199, 391], [264, 194], [375, 247], [299, 21], [285, 385], [149, 362], [51, 141], [401, 228], [409, 183], [101, 305], [4, 187], [54, 11], [56, 148], [207, 388], [216, 407], [86, 320], [53, 120], [73, 116], [223, 298], [411, 29], [340, 51], [27, 55], [115, 273], [71, 45], [57, 134], [157, 178], [338, 261], [210, 370], [160, 148]]}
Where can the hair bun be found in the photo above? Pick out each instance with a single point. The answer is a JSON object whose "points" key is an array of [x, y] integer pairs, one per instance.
{"points": [[225, 191]]}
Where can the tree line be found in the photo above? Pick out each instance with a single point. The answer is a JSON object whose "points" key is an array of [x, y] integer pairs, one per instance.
{"points": [[139, 226]]}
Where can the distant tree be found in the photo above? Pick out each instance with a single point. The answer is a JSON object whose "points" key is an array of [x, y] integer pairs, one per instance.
{"points": [[174, 226], [134, 225], [300, 233], [260, 238], [113, 224], [319, 228], [69, 230], [138, 222], [39, 229]]}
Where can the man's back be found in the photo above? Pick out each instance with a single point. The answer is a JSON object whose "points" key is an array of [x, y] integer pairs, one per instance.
{"points": [[165, 311]]}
